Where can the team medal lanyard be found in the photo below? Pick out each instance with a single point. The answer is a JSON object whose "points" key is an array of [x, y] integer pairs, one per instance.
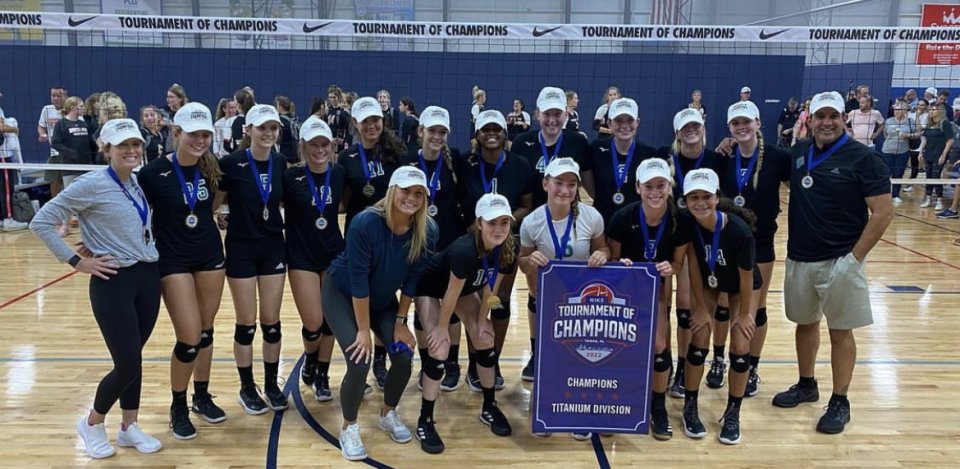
{"points": [[559, 246], [742, 179], [547, 159], [143, 211], [433, 183], [483, 173], [807, 181], [681, 202], [263, 188], [189, 195], [620, 176], [493, 301], [319, 199], [714, 249], [650, 249], [368, 189]]}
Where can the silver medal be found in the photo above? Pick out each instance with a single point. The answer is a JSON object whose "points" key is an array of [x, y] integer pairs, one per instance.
{"points": [[682, 202], [432, 210], [266, 213], [712, 281], [192, 221], [321, 223], [740, 201], [807, 181], [618, 198]]}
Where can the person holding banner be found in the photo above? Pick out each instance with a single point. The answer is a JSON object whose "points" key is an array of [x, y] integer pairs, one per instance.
{"points": [[725, 262], [561, 229], [646, 231], [458, 278]]}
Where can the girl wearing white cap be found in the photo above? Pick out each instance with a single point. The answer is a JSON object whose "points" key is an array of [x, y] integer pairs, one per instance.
{"points": [[490, 168], [311, 196], [252, 183], [646, 231], [464, 277], [722, 245], [561, 229], [388, 247], [119, 254], [181, 188]]}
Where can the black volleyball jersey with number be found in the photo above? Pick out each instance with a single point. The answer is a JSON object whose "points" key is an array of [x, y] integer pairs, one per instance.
{"points": [[511, 181], [625, 228], [319, 247], [461, 259], [711, 160], [244, 199], [448, 210], [379, 170], [605, 179], [764, 200], [737, 251], [176, 242], [528, 146]]}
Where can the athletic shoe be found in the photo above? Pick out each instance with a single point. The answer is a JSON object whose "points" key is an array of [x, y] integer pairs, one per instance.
{"points": [[660, 424], [717, 373], [391, 424], [12, 225], [451, 377], [581, 436], [183, 428], [837, 416], [499, 383], [677, 388], [251, 401], [321, 389], [367, 389], [276, 398], [908, 189], [133, 437], [430, 441], [204, 405], [938, 206], [492, 417], [926, 203], [380, 371], [527, 374], [94, 439], [308, 374], [730, 433], [897, 201], [351, 447], [473, 380], [796, 395], [948, 213], [753, 383], [692, 426]]}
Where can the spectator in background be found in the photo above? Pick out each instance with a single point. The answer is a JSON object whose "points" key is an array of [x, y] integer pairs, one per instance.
{"points": [[49, 116], [919, 115], [411, 122], [745, 93], [337, 118], [111, 107], [866, 123], [155, 136], [801, 129], [91, 115], [950, 172], [9, 153], [573, 117], [930, 94], [785, 123], [898, 131], [226, 112], [937, 139], [318, 107], [72, 140], [956, 109], [601, 120], [176, 98], [853, 103], [289, 129], [245, 101], [479, 100], [391, 117], [942, 97], [518, 121], [911, 98], [696, 102]]}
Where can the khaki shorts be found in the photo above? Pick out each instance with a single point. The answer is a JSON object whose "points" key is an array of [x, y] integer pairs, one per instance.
{"points": [[835, 288]]}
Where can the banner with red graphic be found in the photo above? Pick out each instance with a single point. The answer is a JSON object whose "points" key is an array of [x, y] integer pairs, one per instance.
{"points": [[939, 16]]}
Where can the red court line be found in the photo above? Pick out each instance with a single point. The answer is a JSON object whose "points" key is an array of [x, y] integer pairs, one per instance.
{"points": [[41, 287], [919, 254]]}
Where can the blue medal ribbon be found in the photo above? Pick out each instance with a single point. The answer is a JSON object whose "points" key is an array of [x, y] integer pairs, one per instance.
{"points": [[676, 164], [743, 178], [492, 279], [559, 246], [715, 247], [547, 159], [621, 176], [650, 252], [433, 183], [811, 164], [190, 196], [363, 161], [319, 199], [483, 173], [143, 210], [263, 188]]}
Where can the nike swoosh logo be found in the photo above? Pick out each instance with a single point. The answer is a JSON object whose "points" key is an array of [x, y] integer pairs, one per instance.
{"points": [[310, 29], [764, 36], [537, 32], [73, 23]]}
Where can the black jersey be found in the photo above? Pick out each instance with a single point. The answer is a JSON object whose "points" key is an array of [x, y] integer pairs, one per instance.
{"points": [[236, 132], [243, 195], [461, 259], [625, 228], [737, 250], [573, 121], [511, 181], [176, 243], [408, 131], [339, 122], [448, 210], [314, 246], [379, 170], [528, 146], [605, 179], [154, 143], [764, 199], [711, 160]]}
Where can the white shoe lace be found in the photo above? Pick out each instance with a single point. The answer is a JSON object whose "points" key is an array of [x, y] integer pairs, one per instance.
{"points": [[393, 422], [351, 437]]}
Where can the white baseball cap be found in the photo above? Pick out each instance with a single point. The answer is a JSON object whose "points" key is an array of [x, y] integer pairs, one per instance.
{"points": [[743, 109], [830, 99], [118, 131], [931, 91], [701, 180], [408, 176], [365, 107], [491, 116], [314, 127], [653, 168], [685, 117], [562, 166], [493, 206], [745, 89], [435, 115], [623, 106], [193, 117], [551, 98], [261, 114]]}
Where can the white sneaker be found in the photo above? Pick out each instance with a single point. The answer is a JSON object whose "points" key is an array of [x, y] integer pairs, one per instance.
{"points": [[12, 225], [134, 437], [94, 439], [391, 424], [908, 189], [939, 206], [581, 436], [926, 203], [350, 445], [897, 201]]}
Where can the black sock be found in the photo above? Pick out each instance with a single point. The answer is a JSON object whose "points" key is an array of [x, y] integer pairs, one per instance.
{"points": [[270, 372], [718, 351], [754, 362], [489, 396], [681, 363], [379, 352], [426, 410], [323, 367], [246, 375], [533, 345], [808, 383], [689, 395], [201, 388], [453, 356], [840, 399], [179, 398], [734, 401], [311, 359], [659, 399], [472, 361]]}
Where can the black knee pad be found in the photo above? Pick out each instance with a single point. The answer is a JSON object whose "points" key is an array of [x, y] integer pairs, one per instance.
{"points": [[487, 358], [696, 356], [721, 314], [669, 356], [244, 334], [325, 329], [417, 325], [531, 304], [186, 353], [309, 335], [761, 319], [206, 338], [683, 318], [740, 363], [432, 367], [271, 333], [454, 319], [662, 361], [502, 313]]}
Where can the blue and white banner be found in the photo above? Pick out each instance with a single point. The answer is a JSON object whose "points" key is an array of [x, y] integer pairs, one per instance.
{"points": [[132, 7]]}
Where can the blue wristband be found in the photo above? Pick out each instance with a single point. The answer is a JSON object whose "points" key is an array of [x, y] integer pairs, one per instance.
{"points": [[398, 347]]}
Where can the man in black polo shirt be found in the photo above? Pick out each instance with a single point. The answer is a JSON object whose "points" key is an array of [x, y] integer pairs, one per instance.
{"points": [[840, 205]]}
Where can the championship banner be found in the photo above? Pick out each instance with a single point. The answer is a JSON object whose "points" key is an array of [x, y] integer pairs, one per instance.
{"points": [[132, 7], [596, 329], [939, 16], [255, 10], [20, 34]]}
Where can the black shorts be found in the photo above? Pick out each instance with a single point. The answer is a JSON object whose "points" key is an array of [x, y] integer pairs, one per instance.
{"points": [[303, 261], [252, 258], [728, 288], [765, 251], [216, 261]]}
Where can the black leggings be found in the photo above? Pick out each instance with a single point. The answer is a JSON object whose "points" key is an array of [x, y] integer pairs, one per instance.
{"points": [[914, 164], [126, 309]]}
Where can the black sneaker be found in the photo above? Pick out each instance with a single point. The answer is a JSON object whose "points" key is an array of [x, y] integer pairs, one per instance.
{"points": [[494, 418], [380, 371], [677, 388], [183, 428], [660, 424], [692, 426], [527, 374], [837, 416], [250, 400], [204, 405], [276, 397], [796, 395], [321, 389], [753, 383], [451, 377], [498, 381], [717, 373], [308, 374], [473, 380], [730, 433], [430, 441]]}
